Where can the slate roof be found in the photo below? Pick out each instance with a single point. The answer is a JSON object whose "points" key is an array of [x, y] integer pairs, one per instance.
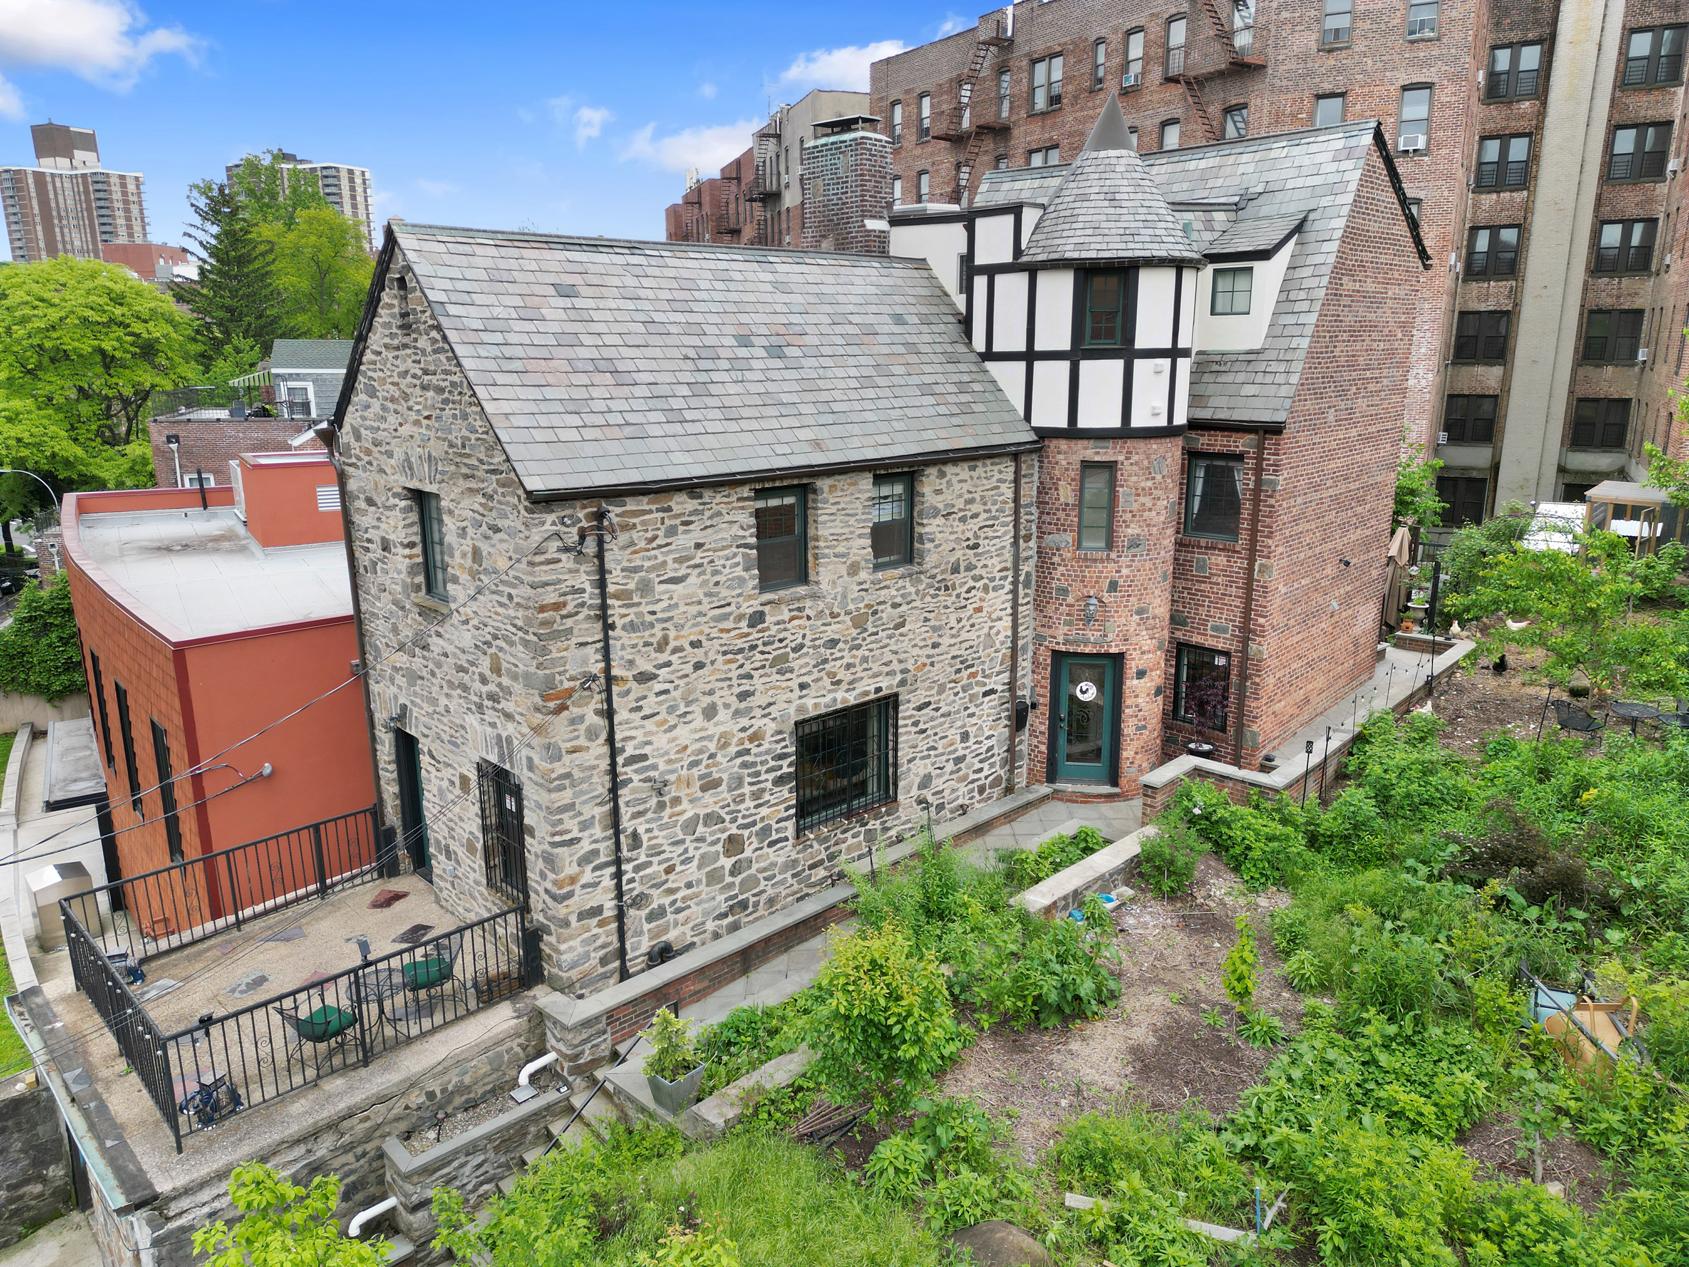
{"points": [[311, 354], [1006, 186], [609, 364], [1313, 175], [1252, 234], [1108, 209]]}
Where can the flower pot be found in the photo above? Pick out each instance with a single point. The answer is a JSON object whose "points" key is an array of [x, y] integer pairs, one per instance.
{"points": [[674, 1098]]}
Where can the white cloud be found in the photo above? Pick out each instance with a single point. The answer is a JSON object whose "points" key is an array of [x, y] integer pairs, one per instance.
{"points": [[707, 91], [707, 149], [11, 105], [845, 68], [106, 41], [952, 23], [589, 122]]}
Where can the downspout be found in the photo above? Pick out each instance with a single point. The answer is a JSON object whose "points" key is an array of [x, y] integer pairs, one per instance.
{"points": [[610, 737], [330, 437], [1014, 640], [1249, 594]]}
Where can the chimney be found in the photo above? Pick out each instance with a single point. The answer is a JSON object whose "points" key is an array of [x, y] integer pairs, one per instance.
{"points": [[847, 187]]}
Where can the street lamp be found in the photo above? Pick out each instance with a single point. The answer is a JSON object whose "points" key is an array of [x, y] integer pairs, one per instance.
{"points": [[9, 470]]}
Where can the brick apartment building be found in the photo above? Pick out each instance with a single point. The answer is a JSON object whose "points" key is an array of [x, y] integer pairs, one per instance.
{"points": [[1185, 331], [68, 204], [758, 198], [201, 624], [1487, 109]]}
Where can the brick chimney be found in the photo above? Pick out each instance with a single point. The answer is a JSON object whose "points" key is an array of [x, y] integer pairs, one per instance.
{"points": [[847, 183]]}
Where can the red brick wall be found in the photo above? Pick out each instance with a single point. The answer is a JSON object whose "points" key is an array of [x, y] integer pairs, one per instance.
{"points": [[1129, 581], [210, 445]]}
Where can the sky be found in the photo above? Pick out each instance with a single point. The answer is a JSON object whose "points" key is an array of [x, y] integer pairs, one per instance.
{"points": [[562, 117]]}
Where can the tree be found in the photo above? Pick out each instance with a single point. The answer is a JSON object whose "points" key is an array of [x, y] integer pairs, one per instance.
{"points": [[272, 191], [1417, 504], [237, 296], [283, 1225], [323, 268], [39, 650], [84, 345]]}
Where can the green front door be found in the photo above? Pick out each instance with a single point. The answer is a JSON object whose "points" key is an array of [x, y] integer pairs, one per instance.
{"points": [[1084, 709]]}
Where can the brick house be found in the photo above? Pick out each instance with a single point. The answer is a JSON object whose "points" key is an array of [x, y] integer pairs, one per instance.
{"points": [[1540, 145], [802, 482], [1186, 331]]}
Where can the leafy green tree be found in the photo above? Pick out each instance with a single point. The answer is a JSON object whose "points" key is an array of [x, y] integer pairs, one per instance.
{"points": [[237, 296], [272, 191], [1417, 504], [1669, 473], [86, 344], [283, 1225], [39, 650], [323, 267]]}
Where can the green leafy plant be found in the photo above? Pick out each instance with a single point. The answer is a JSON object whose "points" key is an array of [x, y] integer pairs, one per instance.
{"points": [[1417, 504], [1167, 860], [1237, 975], [1302, 970], [1261, 1029], [1059, 852], [39, 651], [673, 1055], [898, 1168], [1063, 969], [706, 1245], [883, 1023], [1214, 1018], [283, 1225]]}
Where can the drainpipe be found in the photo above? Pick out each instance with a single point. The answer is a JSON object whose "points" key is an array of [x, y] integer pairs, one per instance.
{"points": [[330, 437], [1014, 639], [610, 738], [1249, 593], [364, 1216]]}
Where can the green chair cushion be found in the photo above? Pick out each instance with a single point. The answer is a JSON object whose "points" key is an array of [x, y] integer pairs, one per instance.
{"points": [[425, 974], [325, 1023]]}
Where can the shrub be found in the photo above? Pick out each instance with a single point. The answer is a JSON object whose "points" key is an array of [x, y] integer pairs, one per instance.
{"points": [[1237, 974], [898, 1167], [1167, 861], [1352, 832], [672, 1054], [1062, 970], [883, 1024], [1253, 840], [1099, 1153], [39, 650], [703, 1246], [1262, 1029], [1522, 1225], [1410, 777], [1030, 866], [749, 1037]]}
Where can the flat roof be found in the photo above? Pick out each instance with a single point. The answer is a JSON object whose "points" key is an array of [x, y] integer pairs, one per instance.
{"points": [[201, 572]]}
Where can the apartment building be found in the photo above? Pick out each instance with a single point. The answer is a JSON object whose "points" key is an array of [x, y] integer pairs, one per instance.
{"points": [[67, 204], [758, 198], [1488, 109], [345, 187]]}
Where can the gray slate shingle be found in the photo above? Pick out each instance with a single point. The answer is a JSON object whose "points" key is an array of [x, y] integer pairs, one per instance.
{"points": [[311, 354], [610, 364], [1108, 210]]}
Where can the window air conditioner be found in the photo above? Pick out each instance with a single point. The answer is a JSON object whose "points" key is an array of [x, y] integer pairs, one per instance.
{"points": [[1642, 355], [1412, 144], [1131, 79]]}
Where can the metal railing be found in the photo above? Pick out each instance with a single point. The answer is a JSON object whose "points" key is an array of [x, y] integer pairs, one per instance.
{"points": [[191, 900], [199, 1077]]}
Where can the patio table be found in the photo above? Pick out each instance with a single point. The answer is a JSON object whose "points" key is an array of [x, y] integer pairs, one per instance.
{"points": [[1633, 711]]}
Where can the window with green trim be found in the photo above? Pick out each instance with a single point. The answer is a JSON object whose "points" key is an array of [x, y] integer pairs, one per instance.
{"points": [[1096, 505], [1105, 310]]}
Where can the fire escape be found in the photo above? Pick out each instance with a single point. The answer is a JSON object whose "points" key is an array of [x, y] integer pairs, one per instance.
{"points": [[764, 184], [958, 123], [1236, 40]]}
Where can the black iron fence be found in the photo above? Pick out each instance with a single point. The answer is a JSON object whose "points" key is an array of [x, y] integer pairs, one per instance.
{"points": [[202, 1076], [189, 901]]}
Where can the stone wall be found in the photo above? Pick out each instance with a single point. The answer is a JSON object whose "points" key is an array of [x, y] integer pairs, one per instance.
{"points": [[710, 675], [35, 1182]]}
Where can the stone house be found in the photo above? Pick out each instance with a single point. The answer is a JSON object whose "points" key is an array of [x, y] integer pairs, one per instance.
{"points": [[1213, 345], [767, 499]]}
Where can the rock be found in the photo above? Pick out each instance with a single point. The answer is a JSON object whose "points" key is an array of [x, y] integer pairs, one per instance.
{"points": [[1555, 1189], [999, 1244]]}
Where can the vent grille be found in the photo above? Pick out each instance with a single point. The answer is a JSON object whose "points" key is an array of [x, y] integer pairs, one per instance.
{"points": [[328, 497]]}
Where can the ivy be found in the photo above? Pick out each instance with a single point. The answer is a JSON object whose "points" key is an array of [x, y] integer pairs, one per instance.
{"points": [[39, 650]]}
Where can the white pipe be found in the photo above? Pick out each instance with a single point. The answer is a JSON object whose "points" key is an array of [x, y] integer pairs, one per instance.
{"points": [[364, 1216], [534, 1066]]}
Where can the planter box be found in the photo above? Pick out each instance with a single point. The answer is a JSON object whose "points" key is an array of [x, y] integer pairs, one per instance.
{"points": [[714, 1117], [674, 1098], [1103, 872]]}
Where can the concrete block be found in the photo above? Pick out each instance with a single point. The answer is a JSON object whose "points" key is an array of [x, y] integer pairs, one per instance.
{"points": [[713, 1117], [1103, 872]]}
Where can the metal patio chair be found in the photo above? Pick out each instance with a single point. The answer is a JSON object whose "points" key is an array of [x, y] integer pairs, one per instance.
{"points": [[314, 1037], [1572, 717]]}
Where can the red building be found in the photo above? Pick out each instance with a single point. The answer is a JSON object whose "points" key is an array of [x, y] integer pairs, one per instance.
{"points": [[206, 619]]}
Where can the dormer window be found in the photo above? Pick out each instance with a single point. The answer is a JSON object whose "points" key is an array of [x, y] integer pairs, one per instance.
{"points": [[1105, 309], [1231, 292]]}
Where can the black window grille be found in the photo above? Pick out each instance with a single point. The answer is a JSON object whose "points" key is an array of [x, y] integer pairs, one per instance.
{"points": [[100, 698], [1504, 162], [1612, 337], [1601, 424], [1175, 60], [167, 791], [1213, 497], [130, 766], [1469, 419], [782, 543], [1492, 251], [1639, 153], [1481, 336], [1203, 687], [847, 762], [432, 527], [1096, 505], [1625, 246], [893, 533], [503, 847], [1654, 55]]}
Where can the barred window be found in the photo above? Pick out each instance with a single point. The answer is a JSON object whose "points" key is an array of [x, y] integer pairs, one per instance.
{"points": [[1202, 687], [1612, 337], [1639, 153], [1654, 55], [847, 762], [1504, 162], [503, 849], [1469, 419], [1625, 246], [1175, 59], [1492, 251], [1515, 72]]}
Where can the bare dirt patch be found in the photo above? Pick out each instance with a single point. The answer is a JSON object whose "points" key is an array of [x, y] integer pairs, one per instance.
{"points": [[1482, 702], [1492, 1143], [1154, 1045]]}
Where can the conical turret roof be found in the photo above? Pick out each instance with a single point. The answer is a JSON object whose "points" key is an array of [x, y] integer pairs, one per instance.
{"points": [[1108, 210]]}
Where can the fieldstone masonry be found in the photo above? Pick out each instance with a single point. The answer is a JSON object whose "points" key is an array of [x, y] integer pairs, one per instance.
{"points": [[710, 676], [35, 1184]]}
